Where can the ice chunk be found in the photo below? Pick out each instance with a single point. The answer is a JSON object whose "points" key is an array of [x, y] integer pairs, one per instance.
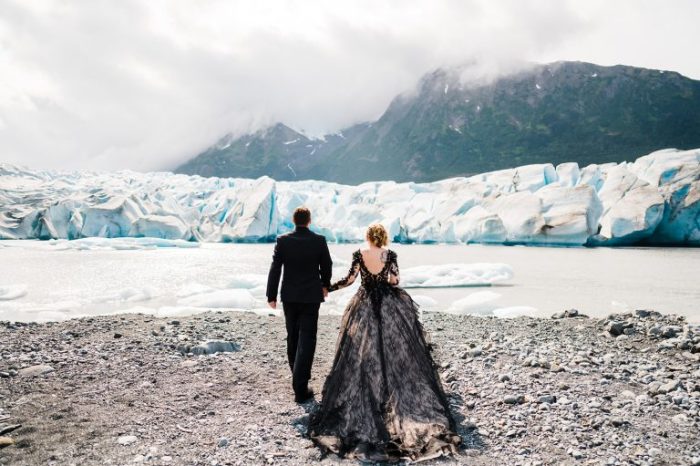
{"points": [[455, 275], [10, 292], [160, 226], [477, 225], [481, 302], [122, 244], [653, 200], [248, 281], [233, 298], [521, 213], [632, 208], [514, 311], [568, 174], [570, 214]]}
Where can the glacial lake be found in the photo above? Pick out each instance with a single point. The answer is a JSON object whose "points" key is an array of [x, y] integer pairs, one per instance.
{"points": [[54, 280]]}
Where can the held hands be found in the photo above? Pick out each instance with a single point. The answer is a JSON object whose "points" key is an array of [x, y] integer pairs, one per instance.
{"points": [[325, 292], [272, 304]]}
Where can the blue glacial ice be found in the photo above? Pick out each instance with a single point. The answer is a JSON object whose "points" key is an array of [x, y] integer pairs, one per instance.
{"points": [[653, 200]]}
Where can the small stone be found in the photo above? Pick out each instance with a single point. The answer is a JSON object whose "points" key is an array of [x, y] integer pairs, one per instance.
{"points": [[474, 352], [617, 328], [514, 399], [449, 377], [211, 347], [503, 378], [547, 399], [6, 442], [653, 388], [470, 425], [127, 439], [117, 335], [680, 419], [668, 387], [670, 331], [34, 371], [7, 428], [618, 422], [223, 442]]}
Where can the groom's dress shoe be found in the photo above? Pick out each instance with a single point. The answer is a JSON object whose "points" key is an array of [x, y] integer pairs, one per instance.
{"points": [[304, 396]]}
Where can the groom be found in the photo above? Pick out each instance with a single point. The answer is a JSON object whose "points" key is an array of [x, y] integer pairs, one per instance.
{"points": [[307, 276]]}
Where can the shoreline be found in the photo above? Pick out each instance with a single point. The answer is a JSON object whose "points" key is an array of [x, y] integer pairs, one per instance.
{"points": [[128, 389], [162, 242]]}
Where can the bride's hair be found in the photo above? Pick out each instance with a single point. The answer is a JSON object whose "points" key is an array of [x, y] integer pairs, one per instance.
{"points": [[376, 234]]}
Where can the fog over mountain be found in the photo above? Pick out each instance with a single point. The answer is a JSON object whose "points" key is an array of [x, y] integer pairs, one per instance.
{"points": [[460, 124], [147, 85]]}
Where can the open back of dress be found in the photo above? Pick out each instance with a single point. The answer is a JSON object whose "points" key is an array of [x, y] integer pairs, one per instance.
{"points": [[383, 399]]}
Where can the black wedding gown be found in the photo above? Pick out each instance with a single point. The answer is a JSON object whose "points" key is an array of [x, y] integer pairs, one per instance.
{"points": [[383, 400]]}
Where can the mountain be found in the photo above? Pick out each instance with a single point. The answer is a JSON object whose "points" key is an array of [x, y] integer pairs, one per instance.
{"points": [[450, 127]]}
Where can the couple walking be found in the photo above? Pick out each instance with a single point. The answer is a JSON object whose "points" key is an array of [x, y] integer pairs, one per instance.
{"points": [[383, 399]]}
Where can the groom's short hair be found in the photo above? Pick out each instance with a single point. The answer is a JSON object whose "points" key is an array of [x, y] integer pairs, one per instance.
{"points": [[302, 216]]}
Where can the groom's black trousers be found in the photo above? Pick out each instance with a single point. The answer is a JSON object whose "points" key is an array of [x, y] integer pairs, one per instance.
{"points": [[302, 321]]}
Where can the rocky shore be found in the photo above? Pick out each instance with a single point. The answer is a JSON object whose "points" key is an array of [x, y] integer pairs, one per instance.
{"points": [[134, 389]]}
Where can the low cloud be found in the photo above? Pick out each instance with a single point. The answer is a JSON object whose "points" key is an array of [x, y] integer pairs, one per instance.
{"points": [[148, 84]]}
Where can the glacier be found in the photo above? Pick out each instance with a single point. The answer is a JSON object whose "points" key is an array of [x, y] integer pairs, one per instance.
{"points": [[654, 200]]}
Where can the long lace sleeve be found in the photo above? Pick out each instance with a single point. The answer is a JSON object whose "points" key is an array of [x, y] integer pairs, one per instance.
{"points": [[393, 269], [351, 276]]}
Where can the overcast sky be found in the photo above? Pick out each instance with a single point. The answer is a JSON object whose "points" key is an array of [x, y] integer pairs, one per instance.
{"points": [[146, 84]]}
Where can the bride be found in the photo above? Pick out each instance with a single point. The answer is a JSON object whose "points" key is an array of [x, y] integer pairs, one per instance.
{"points": [[383, 400]]}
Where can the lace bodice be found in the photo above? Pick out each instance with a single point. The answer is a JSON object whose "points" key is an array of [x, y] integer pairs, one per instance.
{"points": [[389, 275]]}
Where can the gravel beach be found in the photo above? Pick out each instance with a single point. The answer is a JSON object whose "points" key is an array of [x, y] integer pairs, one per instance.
{"points": [[133, 389]]}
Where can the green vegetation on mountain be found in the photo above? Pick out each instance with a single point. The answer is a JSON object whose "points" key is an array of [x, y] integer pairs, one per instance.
{"points": [[560, 112]]}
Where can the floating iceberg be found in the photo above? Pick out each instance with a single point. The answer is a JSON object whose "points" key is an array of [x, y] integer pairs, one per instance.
{"points": [[455, 275], [653, 200], [8, 293], [234, 298]]}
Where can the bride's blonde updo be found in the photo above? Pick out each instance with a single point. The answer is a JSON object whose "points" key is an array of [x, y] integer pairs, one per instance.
{"points": [[376, 234]]}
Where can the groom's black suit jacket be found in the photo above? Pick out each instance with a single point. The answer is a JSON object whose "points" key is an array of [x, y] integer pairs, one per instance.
{"points": [[307, 267]]}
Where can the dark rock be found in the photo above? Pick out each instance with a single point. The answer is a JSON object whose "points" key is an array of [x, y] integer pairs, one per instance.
{"points": [[514, 399], [568, 313], [670, 331], [210, 347], [7, 428], [617, 328], [618, 422]]}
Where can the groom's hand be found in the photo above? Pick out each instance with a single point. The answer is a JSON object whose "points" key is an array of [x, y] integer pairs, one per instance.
{"points": [[325, 292], [272, 304]]}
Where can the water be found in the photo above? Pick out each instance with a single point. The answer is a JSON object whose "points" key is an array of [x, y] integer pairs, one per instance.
{"points": [[54, 283]]}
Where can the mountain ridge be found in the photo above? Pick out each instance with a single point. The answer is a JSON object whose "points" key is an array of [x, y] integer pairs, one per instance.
{"points": [[446, 127]]}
